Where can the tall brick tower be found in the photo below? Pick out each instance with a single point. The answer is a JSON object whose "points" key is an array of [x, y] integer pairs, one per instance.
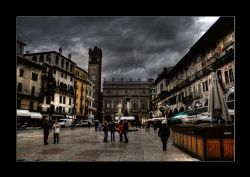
{"points": [[95, 71]]}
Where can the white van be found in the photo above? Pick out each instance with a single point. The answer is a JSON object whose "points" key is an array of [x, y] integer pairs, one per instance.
{"points": [[65, 122]]}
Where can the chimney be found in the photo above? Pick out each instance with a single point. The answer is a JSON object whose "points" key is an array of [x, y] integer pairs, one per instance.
{"points": [[69, 56]]}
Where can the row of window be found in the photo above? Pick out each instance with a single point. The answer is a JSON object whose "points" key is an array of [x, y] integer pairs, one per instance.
{"points": [[41, 58], [62, 99], [90, 103], [135, 106], [48, 59], [143, 91], [20, 89], [61, 109], [83, 75], [34, 76], [67, 64], [228, 78], [65, 76]]}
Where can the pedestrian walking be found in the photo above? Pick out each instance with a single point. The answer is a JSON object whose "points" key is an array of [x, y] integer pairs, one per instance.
{"points": [[140, 125], [121, 130], [125, 132], [105, 129], [96, 124], [164, 133], [100, 127], [56, 131], [46, 128], [112, 130]]}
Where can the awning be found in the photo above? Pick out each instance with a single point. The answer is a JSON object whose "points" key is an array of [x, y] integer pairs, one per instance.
{"points": [[127, 118], [35, 115], [158, 119], [21, 112]]}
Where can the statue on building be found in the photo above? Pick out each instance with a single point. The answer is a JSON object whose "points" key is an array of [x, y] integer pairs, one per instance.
{"points": [[119, 109]]}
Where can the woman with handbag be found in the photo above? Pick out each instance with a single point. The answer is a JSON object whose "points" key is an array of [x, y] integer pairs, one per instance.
{"points": [[56, 131]]}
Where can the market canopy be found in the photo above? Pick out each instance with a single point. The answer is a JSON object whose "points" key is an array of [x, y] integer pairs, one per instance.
{"points": [[35, 115], [22, 112], [158, 119], [125, 118], [216, 104]]}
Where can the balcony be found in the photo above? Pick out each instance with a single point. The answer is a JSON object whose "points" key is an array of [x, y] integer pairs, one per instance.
{"points": [[48, 77]]}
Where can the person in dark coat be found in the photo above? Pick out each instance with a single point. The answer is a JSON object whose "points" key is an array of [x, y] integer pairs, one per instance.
{"points": [[96, 124], [121, 130], [164, 133], [112, 130], [46, 128], [125, 132], [105, 129]]}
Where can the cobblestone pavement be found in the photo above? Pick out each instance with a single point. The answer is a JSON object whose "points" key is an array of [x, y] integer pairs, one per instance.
{"points": [[83, 144]]}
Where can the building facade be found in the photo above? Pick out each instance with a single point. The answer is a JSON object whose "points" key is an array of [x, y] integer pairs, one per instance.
{"points": [[134, 97], [95, 71], [57, 82], [81, 82], [90, 106], [28, 84], [187, 84]]}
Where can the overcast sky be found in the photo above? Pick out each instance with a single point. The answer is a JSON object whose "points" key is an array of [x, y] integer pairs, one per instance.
{"points": [[133, 47]]}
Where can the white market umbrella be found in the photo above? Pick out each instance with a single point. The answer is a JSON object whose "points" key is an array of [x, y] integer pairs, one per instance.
{"points": [[216, 104]]}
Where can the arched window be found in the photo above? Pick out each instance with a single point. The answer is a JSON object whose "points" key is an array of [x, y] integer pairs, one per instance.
{"points": [[67, 65], [57, 60], [219, 75], [71, 68], [181, 109], [48, 58], [175, 111], [41, 58], [62, 63], [21, 71]]}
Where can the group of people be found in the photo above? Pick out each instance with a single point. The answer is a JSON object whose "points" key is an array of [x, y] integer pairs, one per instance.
{"points": [[163, 133], [122, 130], [47, 128]]}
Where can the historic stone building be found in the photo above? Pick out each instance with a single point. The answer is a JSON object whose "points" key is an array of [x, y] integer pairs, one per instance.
{"points": [[134, 97], [28, 81], [95, 71], [187, 84], [57, 82], [90, 106], [81, 81]]}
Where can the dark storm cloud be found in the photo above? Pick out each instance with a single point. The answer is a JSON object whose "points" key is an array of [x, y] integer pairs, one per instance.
{"points": [[132, 46]]}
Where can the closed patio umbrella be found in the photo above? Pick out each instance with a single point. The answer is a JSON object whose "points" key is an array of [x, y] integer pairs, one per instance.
{"points": [[216, 104]]}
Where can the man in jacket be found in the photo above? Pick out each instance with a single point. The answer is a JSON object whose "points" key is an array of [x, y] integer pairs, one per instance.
{"points": [[164, 133], [125, 131], [46, 128]]}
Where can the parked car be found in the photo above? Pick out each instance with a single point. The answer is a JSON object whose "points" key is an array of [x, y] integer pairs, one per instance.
{"points": [[65, 122], [82, 124]]}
